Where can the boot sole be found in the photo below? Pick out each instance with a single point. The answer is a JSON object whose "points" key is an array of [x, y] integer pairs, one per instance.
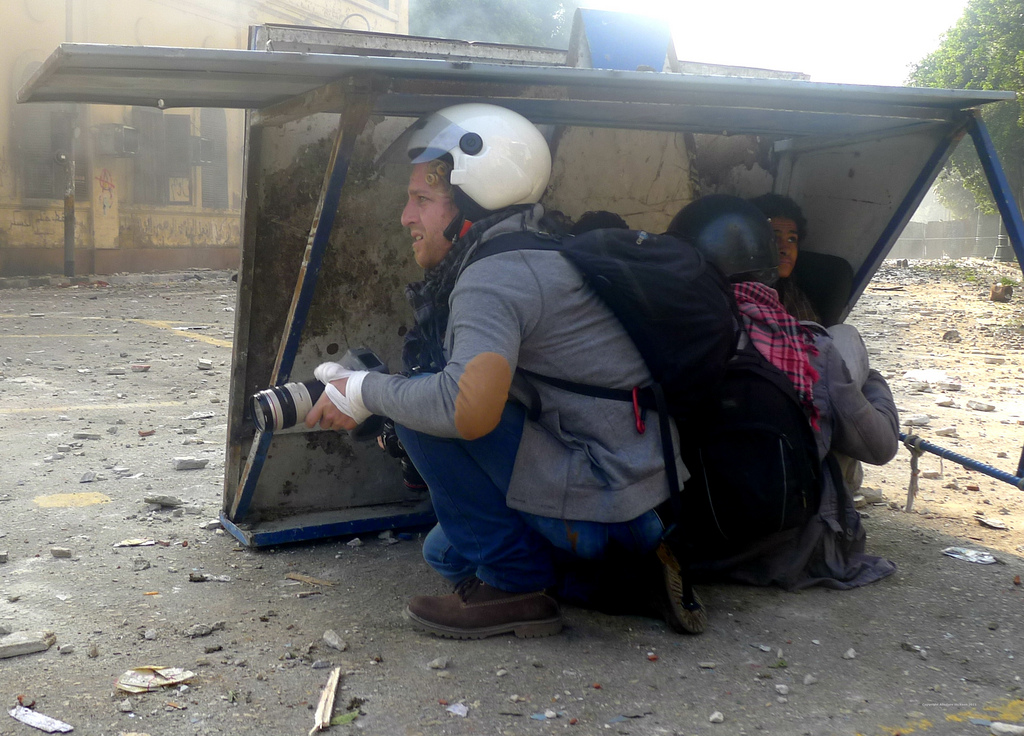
{"points": [[522, 629]]}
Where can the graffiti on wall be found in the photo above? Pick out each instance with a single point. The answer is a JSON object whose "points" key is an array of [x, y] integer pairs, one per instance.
{"points": [[106, 183]]}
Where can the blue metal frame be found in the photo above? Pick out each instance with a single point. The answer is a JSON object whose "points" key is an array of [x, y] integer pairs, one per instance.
{"points": [[309, 273], [257, 538], [1008, 209], [906, 209], [916, 443], [1001, 193]]}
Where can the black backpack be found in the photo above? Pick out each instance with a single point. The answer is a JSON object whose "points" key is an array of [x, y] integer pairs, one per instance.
{"points": [[752, 457]]}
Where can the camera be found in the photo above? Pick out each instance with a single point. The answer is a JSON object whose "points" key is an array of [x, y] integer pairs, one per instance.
{"points": [[389, 442], [284, 406]]}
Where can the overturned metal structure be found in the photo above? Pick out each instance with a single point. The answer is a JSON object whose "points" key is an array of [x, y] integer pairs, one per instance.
{"points": [[324, 258]]}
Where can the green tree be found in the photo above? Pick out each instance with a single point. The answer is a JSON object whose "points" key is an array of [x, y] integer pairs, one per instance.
{"points": [[524, 22], [985, 51]]}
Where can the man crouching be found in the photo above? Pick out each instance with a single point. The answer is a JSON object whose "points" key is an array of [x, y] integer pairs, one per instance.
{"points": [[514, 497]]}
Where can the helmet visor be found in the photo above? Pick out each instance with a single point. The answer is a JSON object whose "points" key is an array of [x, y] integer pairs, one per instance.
{"points": [[432, 137]]}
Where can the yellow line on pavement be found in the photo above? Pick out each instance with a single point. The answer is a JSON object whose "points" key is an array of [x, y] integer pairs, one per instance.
{"points": [[162, 325], [157, 323], [1005, 710], [82, 407]]}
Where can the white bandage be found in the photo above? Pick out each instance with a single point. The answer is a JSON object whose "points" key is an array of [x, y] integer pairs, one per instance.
{"points": [[349, 403]]}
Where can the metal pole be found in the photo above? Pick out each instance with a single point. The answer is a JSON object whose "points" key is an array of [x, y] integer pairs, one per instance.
{"points": [[69, 167], [916, 444]]}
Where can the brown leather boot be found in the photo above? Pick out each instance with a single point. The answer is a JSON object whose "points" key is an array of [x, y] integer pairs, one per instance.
{"points": [[477, 610]]}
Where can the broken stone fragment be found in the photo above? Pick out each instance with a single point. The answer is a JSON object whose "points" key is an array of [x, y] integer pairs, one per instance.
{"points": [[917, 420], [116, 371], [86, 435], [1000, 292], [87, 477], [205, 364], [4, 556], [190, 463], [980, 406], [160, 500], [946, 432], [951, 336], [62, 553], [995, 359], [140, 367], [26, 642], [334, 641]]}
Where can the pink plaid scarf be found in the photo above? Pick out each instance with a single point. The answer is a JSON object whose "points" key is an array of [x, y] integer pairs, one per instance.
{"points": [[780, 338]]}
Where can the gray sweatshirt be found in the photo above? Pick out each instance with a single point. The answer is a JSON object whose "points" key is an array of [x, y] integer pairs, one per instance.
{"points": [[584, 458]]}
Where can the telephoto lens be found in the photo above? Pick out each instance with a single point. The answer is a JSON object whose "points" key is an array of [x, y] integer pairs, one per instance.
{"points": [[280, 407]]}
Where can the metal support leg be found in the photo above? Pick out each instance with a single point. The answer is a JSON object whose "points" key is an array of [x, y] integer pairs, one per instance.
{"points": [[1003, 197]]}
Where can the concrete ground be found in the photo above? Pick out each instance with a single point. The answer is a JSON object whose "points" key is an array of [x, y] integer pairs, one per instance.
{"points": [[931, 650]]}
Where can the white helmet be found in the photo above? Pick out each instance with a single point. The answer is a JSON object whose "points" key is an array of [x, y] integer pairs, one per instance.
{"points": [[500, 158]]}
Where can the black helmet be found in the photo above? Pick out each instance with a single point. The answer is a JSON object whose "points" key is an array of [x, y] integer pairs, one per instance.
{"points": [[733, 234]]}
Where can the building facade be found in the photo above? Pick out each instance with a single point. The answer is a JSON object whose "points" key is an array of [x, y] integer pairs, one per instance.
{"points": [[153, 189]]}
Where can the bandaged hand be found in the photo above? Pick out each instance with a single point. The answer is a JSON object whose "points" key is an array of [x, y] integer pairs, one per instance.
{"points": [[341, 406]]}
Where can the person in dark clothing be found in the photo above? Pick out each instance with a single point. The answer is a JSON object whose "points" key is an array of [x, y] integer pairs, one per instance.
{"points": [[855, 416]]}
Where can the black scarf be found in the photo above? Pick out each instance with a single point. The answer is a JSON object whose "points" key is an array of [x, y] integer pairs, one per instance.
{"points": [[423, 351]]}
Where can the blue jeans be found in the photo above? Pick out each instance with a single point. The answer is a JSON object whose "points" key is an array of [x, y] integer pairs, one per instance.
{"points": [[478, 534]]}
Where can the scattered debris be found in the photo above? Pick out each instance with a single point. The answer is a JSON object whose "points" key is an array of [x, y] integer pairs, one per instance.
{"points": [[458, 709], [197, 630], [26, 642], [190, 463], [970, 555], [202, 577], [167, 501], [1001, 293], [307, 579], [322, 718], [151, 678], [211, 525], [334, 641], [37, 720]]}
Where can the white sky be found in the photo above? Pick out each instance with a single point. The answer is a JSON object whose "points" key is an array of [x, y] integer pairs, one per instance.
{"points": [[850, 41]]}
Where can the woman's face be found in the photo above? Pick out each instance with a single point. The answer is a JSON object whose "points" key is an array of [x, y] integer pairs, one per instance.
{"points": [[788, 241]]}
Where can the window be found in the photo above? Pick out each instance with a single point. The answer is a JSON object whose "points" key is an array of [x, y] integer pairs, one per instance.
{"points": [[42, 133], [213, 127], [163, 164]]}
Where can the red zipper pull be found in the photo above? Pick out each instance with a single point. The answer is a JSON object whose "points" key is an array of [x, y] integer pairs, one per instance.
{"points": [[641, 426]]}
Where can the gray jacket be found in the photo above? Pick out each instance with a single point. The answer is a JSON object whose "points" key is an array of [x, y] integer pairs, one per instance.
{"points": [[583, 459]]}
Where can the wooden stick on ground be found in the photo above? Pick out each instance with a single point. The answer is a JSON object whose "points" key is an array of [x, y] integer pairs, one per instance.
{"points": [[322, 719]]}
